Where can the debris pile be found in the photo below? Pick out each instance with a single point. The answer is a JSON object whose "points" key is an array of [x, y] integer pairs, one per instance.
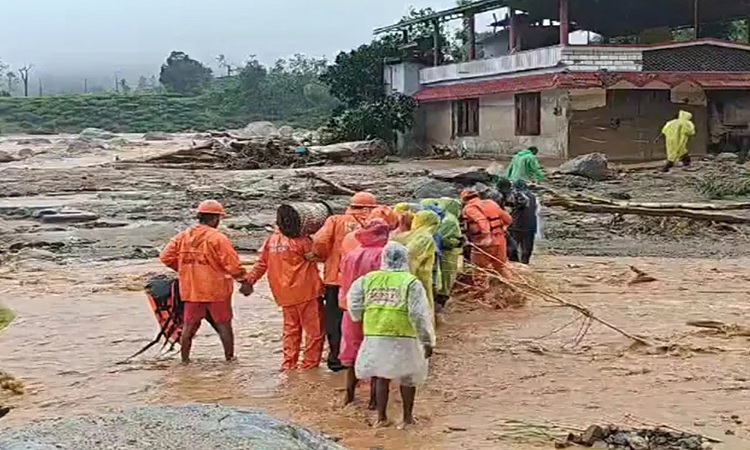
{"points": [[622, 438], [226, 151]]}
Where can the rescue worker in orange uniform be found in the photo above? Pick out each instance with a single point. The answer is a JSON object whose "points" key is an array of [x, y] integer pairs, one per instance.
{"points": [[327, 247], [207, 266], [486, 223], [297, 288]]}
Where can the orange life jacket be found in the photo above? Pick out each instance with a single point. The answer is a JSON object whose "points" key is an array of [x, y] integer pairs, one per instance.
{"points": [[495, 215]]}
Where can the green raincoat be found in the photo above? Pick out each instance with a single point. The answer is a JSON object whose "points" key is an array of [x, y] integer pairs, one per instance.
{"points": [[525, 166], [450, 231]]}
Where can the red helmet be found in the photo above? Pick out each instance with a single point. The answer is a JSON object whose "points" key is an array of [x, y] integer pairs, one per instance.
{"points": [[364, 200], [468, 194], [211, 207]]}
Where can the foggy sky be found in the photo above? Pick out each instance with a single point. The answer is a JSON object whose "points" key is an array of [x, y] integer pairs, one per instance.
{"points": [[71, 37]]}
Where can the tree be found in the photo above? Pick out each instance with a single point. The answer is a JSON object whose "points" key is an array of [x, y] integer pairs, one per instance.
{"points": [[225, 64], [12, 82], [124, 86], [24, 72], [184, 75], [142, 83]]}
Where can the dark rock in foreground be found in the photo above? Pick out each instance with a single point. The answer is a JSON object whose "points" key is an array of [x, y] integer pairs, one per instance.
{"points": [[198, 427]]}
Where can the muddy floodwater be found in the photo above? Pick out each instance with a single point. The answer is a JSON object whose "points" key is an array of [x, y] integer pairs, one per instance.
{"points": [[500, 379], [496, 381]]}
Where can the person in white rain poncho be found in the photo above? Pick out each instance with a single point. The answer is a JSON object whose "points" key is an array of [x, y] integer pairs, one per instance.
{"points": [[398, 330]]}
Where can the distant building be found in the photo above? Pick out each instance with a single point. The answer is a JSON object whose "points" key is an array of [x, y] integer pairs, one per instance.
{"points": [[527, 85]]}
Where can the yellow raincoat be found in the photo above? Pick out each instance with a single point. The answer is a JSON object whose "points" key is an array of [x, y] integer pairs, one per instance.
{"points": [[677, 133], [422, 249], [452, 240]]}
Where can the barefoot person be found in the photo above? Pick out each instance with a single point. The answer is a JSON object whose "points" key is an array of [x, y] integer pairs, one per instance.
{"points": [[365, 258], [297, 288], [206, 263], [399, 335]]}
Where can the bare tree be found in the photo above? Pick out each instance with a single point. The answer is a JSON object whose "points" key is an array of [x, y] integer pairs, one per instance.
{"points": [[24, 72], [224, 64]]}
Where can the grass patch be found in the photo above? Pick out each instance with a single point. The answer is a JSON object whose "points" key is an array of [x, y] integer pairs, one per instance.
{"points": [[6, 317], [717, 187]]}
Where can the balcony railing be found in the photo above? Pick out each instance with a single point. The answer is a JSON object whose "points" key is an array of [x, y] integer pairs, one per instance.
{"points": [[539, 58]]}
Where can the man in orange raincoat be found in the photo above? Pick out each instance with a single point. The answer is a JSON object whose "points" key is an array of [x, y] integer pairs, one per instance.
{"points": [[206, 263], [486, 223], [296, 286], [327, 247]]}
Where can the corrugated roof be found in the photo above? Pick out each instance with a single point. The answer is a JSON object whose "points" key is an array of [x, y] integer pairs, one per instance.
{"points": [[580, 80]]}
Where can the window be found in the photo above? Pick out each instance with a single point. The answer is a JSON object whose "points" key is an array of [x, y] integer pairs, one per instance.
{"points": [[466, 117], [529, 114]]}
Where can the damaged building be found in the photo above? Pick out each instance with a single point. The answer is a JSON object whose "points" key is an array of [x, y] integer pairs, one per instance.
{"points": [[526, 84]]}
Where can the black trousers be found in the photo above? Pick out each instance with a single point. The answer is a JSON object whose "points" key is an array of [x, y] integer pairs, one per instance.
{"points": [[333, 317], [521, 245], [685, 160]]}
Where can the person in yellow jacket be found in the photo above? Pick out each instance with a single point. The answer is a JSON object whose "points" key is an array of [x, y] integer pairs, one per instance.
{"points": [[398, 330], [677, 133], [423, 251]]}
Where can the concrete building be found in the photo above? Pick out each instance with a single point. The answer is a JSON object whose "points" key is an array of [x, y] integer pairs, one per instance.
{"points": [[568, 99]]}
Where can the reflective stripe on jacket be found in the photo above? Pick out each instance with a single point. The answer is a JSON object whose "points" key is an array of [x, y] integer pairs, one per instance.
{"points": [[386, 304]]}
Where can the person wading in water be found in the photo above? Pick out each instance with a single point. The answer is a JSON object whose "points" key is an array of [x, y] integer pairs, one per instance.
{"points": [[206, 263], [397, 322]]}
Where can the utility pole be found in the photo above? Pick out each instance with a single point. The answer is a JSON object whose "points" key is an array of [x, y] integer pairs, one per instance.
{"points": [[41, 92], [117, 83], [85, 85]]}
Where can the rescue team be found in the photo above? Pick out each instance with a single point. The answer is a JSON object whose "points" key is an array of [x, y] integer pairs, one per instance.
{"points": [[387, 271]]}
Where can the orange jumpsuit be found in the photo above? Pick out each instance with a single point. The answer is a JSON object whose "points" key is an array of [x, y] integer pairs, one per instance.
{"points": [[296, 286], [207, 265], [486, 224]]}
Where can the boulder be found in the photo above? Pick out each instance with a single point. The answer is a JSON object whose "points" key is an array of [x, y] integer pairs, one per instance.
{"points": [[26, 153], [436, 189], [157, 136], [374, 148], [594, 166], [286, 131], [728, 157], [259, 129], [6, 157], [96, 133], [466, 176], [162, 427]]}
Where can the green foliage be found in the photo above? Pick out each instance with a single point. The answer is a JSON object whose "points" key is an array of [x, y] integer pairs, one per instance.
{"points": [[184, 75], [381, 119], [717, 187], [6, 317]]}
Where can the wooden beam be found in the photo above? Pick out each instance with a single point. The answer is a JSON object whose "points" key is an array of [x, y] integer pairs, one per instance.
{"points": [[565, 22], [472, 36]]}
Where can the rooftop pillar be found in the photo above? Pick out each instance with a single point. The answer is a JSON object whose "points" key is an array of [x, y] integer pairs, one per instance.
{"points": [[435, 43], [565, 22], [512, 34], [471, 35]]}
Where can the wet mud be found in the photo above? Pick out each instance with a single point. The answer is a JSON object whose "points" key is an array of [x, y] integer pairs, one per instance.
{"points": [[499, 378]]}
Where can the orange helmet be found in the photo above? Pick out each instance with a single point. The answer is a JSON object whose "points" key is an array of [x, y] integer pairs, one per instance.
{"points": [[364, 200], [384, 213], [468, 194], [211, 207]]}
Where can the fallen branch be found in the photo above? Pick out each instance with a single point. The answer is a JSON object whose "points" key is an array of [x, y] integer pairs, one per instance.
{"points": [[342, 190], [650, 423], [583, 198], [556, 299], [728, 329], [640, 276], [641, 211]]}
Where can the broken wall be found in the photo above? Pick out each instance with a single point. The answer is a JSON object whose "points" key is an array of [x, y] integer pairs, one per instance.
{"points": [[625, 124]]}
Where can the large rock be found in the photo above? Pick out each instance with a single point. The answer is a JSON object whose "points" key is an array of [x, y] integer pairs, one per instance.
{"points": [[157, 136], [593, 165], [6, 157], [259, 129], [96, 133], [286, 131], [466, 176], [167, 427], [33, 141], [435, 189]]}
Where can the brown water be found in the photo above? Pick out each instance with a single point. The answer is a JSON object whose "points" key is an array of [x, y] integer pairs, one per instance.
{"points": [[491, 379]]}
